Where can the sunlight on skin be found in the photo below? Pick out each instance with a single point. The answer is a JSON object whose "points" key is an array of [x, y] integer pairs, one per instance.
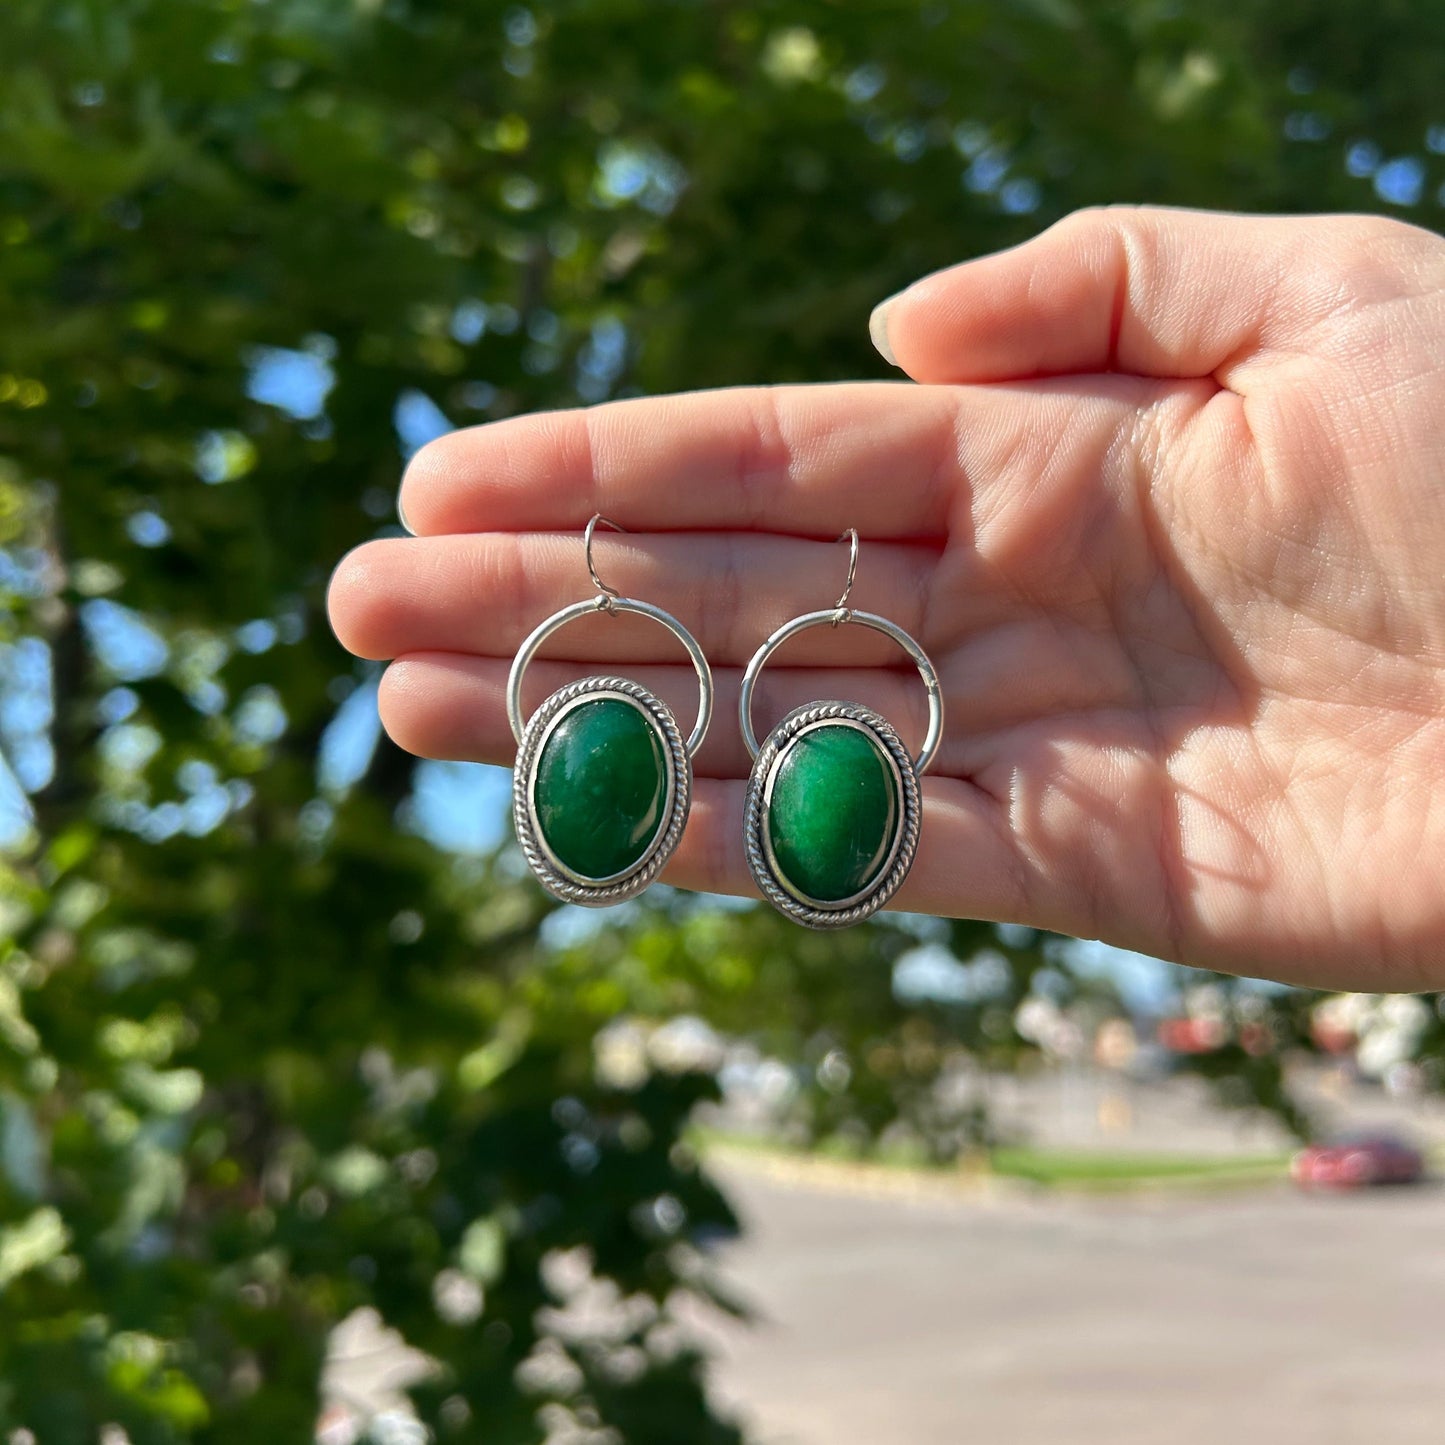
{"points": [[1165, 514]]}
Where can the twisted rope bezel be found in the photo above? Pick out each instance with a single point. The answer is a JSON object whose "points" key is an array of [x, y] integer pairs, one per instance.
{"points": [[754, 816], [554, 879]]}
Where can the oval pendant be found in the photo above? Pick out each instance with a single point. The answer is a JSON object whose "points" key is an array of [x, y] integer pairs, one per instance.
{"points": [[600, 790], [833, 814]]}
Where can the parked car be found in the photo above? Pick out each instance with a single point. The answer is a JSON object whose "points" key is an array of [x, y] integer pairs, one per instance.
{"points": [[1353, 1162]]}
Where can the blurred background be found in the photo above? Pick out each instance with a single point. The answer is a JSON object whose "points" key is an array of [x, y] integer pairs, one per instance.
{"points": [[288, 1039]]}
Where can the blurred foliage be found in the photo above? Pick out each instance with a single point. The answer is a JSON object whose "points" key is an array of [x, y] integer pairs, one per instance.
{"points": [[268, 1054]]}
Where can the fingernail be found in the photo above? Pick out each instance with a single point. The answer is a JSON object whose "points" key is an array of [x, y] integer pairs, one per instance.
{"points": [[401, 515], [878, 330]]}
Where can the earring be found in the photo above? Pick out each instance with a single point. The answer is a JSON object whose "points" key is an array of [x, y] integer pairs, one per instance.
{"points": [[833, 810], [603, 778]]}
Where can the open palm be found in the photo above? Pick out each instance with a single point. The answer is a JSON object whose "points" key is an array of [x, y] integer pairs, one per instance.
{"points": [[1169, 516]]}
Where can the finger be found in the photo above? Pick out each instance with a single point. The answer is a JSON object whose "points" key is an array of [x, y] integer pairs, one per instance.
{"points": [[967, 864], [1042, 483], [445, 705], [451, 705], [809, 460], [971, 863], [484, 593], [1147, 290]]}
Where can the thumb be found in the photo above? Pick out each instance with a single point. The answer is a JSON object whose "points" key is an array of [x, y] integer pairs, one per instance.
{"points": [[1146, 290]]}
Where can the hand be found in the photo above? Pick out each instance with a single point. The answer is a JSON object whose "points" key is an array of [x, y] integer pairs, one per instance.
{"points": [[1169, 515]]}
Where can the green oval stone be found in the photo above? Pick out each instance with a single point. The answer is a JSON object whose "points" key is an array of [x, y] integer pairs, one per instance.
{"points": [[834, 812], [601, 787]]}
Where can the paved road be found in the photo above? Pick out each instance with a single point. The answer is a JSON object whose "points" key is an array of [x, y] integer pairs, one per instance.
{"points": [[1233, 1319]]}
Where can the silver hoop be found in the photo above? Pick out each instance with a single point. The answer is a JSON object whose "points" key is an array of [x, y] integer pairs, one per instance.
{"points": [[611, 604], [832, 618]]}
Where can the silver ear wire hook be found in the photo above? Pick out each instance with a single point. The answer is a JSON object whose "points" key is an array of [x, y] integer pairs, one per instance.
{"points": [[840, 607], [605, 594], [612, 602]]}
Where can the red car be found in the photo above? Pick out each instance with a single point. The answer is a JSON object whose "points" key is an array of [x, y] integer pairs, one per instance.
{"points": [[1355, 1162]]}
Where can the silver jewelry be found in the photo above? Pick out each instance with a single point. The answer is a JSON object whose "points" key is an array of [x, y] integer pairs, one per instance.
{"points": [[603, 778], [833, 812]]}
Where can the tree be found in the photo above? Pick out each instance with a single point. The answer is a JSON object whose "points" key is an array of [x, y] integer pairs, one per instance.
{"points": [[266, 1051]]}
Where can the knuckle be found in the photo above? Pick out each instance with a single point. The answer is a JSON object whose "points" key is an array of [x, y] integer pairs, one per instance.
{"points": [[1125, 222]]}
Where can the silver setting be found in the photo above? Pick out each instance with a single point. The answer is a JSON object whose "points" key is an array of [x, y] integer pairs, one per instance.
{"points": [[559, 880], [757, 844]]}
